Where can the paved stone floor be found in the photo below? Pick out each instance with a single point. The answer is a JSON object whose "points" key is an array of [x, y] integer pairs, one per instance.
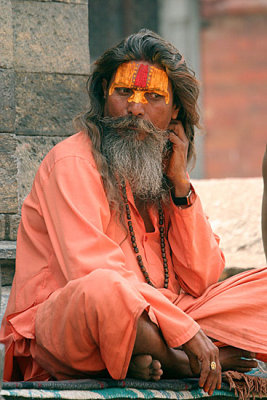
{"points": [[234, 209]]}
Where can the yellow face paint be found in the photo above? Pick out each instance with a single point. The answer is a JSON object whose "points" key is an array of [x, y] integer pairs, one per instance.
{"points": [[141, 79]]}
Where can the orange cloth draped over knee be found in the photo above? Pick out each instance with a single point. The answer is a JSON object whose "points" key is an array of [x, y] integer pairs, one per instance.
{"points": [[90, 324], [233, 311], [70, 241]]}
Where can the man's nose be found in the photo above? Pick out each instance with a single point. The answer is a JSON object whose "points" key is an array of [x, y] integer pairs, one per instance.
{"points": [[136, 109]]}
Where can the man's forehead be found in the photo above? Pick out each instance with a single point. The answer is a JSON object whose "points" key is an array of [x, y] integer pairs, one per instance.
{"points": [[141, 76]]}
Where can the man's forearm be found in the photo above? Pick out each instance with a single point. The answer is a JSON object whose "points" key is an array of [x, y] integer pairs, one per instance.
{"points": [[195, 249]]}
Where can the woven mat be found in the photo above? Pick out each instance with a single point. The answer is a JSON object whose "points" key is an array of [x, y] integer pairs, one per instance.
{"points": [[109, 389], [86, 389]]}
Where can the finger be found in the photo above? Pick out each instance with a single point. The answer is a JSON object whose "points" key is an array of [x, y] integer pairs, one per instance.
{"points": [[219, 381], [211, 381], [247, 354], [178, 142], [218, 370], [205, 370], [214, 380], [216, 384], [248, 363], [193, 362], [194, 365], [178, 130]]}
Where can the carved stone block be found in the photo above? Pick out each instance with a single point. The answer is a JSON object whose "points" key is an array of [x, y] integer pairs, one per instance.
{"points": [[6, 34], [7, 102], [8, 174], [47, 103], [51, 37]]}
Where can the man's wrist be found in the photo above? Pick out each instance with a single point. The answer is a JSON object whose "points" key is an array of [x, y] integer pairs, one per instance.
{"points": [[185, 201], [182, 189]]}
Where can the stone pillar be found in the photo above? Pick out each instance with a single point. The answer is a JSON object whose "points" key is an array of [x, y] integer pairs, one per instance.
{"points": [[44, 64]]}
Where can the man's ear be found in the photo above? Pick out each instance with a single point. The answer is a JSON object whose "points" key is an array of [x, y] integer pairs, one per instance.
{"points": [[175, 111], [105, 87]]}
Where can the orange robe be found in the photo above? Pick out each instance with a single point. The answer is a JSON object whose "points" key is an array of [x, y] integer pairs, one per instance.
{"points": [[78, 291]]}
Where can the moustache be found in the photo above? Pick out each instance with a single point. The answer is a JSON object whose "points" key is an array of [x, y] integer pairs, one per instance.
{"points": [[133, 123]]}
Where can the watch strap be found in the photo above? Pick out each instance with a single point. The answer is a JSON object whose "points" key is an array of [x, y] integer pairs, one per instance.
{"points": [[184, 201]]}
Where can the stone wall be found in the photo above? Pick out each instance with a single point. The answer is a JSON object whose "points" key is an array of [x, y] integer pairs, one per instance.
{"points": [[44, 64]]}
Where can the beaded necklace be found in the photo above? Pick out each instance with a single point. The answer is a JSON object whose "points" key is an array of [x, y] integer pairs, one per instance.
{"points": [[134, 244]]}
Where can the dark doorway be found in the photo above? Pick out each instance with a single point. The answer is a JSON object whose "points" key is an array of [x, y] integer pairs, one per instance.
{"points": [[112, 20]]}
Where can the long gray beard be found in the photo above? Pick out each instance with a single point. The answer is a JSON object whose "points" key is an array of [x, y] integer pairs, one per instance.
{"points": [[138, 161]]}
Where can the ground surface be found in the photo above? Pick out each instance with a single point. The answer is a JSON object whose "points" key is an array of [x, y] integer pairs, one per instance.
{"points": [[234, 209]]}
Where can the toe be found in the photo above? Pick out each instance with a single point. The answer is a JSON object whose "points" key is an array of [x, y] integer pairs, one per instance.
{"points": [[140, 367], [155, 365], [142, 361], [156, 370]]}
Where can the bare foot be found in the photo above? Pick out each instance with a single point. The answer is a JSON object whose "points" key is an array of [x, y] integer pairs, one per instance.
{"points": [[144, 367], [232, 358]]}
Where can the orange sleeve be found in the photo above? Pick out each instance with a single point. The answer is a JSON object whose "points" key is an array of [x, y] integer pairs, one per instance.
{"points": [[197, 258]]}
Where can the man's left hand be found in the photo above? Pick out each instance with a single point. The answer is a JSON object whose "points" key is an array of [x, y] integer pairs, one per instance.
{"points": [[176, 167], [202, 354]]}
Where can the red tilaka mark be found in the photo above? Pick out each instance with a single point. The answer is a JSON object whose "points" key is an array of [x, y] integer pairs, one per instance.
{"points": [[142, 75]]}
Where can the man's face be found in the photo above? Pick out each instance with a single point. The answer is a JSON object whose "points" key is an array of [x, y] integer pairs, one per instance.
{"points": [[142, 90]]}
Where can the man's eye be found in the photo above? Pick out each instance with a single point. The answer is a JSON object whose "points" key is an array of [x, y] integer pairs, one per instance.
{"points": [[154, 96], [123, 91]]}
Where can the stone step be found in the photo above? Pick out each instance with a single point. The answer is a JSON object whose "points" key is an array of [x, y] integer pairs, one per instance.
{"points": [[7, 250], [7, 261]]}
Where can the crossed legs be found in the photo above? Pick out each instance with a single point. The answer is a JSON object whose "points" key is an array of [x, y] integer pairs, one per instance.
{"points": [[83, 331]]}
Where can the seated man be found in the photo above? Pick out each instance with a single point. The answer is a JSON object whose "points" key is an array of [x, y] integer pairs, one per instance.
{"points": [[117, 267]]}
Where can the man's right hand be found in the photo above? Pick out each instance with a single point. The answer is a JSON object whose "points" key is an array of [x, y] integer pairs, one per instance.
{"points": [[202, 354]]}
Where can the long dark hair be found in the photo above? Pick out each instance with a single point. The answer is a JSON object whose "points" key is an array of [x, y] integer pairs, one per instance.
{"points": [[147, 46]]}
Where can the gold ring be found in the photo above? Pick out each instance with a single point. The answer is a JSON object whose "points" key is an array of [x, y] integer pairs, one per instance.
{"points": [[213, 365]]}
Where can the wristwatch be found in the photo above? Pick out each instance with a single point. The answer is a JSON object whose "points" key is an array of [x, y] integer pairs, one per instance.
{"points": [[185, 201]]}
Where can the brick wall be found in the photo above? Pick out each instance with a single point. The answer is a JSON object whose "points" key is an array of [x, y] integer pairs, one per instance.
{"points": [[234, 76]]}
